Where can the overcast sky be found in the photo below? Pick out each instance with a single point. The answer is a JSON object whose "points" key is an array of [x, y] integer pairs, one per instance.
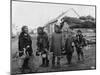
{"points": [[38, 14]]}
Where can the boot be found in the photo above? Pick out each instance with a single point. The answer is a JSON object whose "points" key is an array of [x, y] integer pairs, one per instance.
{"points": [[58, 61], [53, 62], [69, 59], [47, 62]]}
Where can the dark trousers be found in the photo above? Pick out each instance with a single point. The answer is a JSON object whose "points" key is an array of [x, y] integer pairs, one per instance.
{"points": [[80, 53], [25, 63], [45, 61], [26, 60], [69, 57], [53, 60]]}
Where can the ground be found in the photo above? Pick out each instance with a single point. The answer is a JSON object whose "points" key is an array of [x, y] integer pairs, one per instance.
{"points": [[88, 63]]}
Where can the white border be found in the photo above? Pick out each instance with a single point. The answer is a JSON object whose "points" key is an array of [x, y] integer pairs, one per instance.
{"points": [[5, 36]]}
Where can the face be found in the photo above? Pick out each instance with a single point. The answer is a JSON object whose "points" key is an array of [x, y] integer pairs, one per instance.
{"points": [[40, 31], [66, 24], [26, 29], [79, 33]]}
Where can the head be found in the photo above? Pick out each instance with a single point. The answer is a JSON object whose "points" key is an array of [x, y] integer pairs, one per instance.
{"points": [[79, 32], [62, 20], [25, 29], [40, 30], [57, 28], [66, 24]]}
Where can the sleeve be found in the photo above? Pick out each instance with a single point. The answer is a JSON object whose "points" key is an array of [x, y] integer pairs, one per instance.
{"points": [[51, 43], [19, 47], [37, 41], [62, 41], [66, 44], [30, 40], [20, 43], [85, 42], [75, 42], [47, 42]]}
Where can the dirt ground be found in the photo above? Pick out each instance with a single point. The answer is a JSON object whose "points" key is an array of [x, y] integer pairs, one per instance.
{"points": [[35, 61]]}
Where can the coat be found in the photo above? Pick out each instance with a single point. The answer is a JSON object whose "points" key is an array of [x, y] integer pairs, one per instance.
{"points": [[56, 43], [80, 42], [68, 45], [42, 41], [24, 41]]}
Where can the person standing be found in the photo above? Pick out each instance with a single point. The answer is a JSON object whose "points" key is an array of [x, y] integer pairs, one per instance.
{"points": [[25, 46], [69, 47], [43, 46], [56, 45], [79, 44], [68, 40]]}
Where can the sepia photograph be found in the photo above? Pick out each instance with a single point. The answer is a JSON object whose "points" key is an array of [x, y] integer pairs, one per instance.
{"points": [[52, 37]]}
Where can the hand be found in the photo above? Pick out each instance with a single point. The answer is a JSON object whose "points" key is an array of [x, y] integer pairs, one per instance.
{"points": [[73, 44], [28, 46], [24, 49]]}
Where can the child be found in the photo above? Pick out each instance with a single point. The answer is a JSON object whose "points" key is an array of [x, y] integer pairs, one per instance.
{"points": [[79, 44]]}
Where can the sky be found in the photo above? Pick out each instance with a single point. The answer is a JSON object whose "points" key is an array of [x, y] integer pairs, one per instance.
{"points": [[38, 14]]}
